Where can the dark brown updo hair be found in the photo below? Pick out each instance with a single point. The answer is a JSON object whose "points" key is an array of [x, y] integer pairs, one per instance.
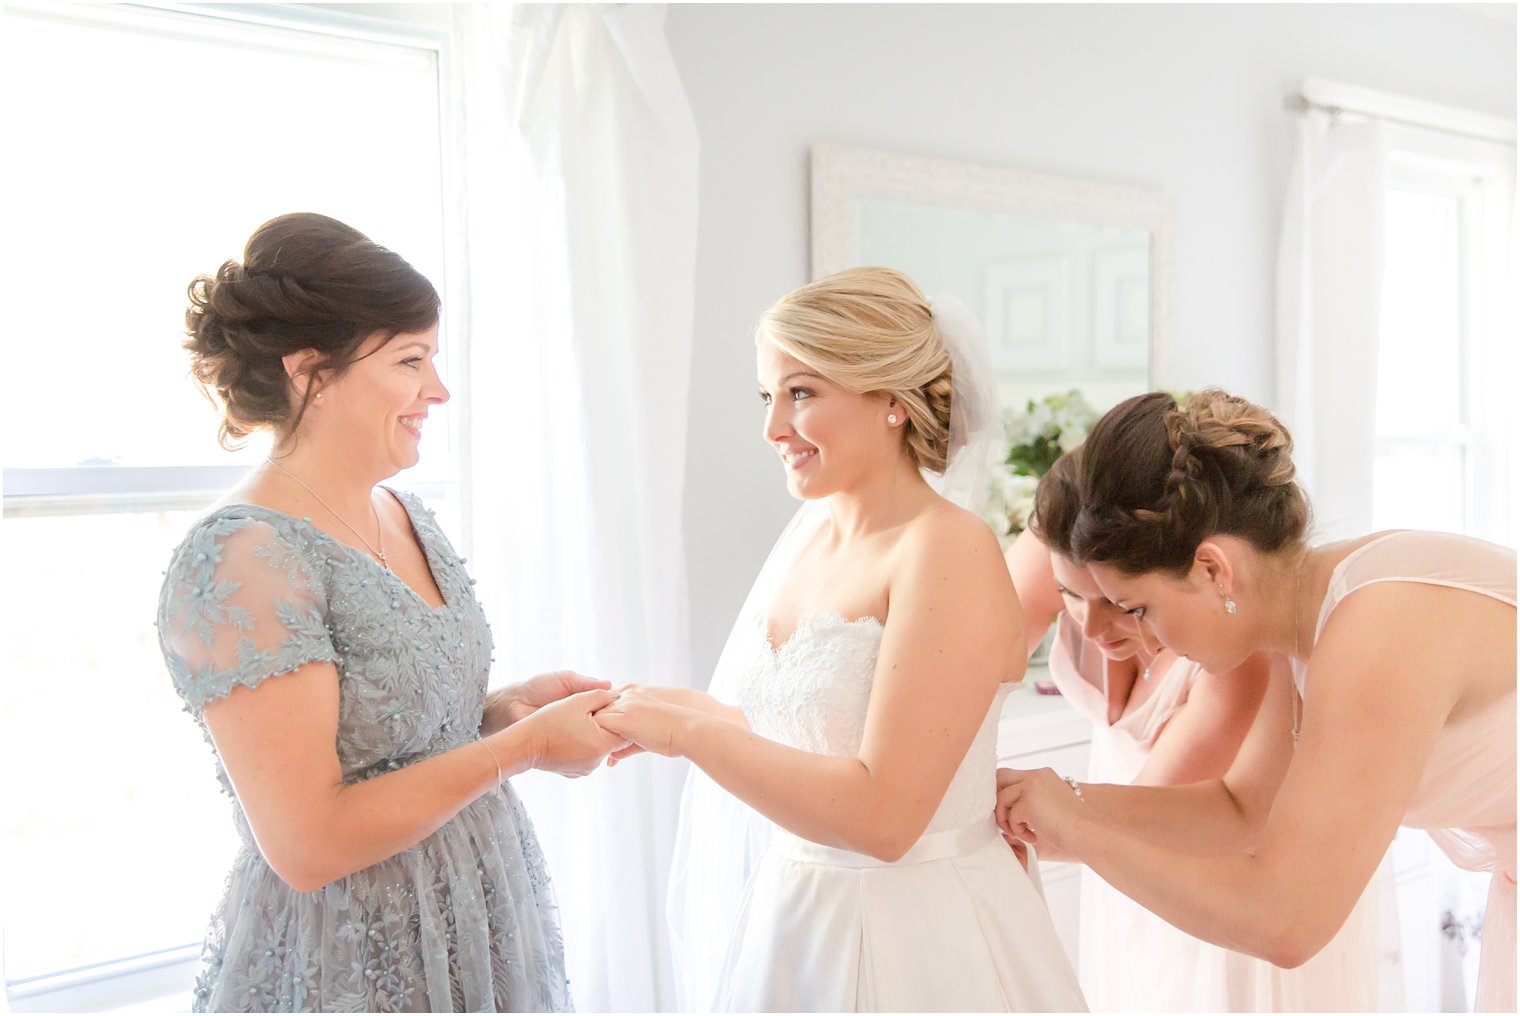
{"points": [[1154, 480], [1057, 504], [306, 282]]}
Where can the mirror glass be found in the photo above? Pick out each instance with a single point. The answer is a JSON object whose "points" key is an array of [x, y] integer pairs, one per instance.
{"points": [[1063, 274], [1065, 304]]}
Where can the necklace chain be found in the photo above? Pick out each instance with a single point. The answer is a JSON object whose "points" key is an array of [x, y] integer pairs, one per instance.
{"points": [[1298, 585], [379, 529]]}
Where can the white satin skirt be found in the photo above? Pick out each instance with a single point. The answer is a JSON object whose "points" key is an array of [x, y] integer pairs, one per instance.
{"points": [[956, 925]]}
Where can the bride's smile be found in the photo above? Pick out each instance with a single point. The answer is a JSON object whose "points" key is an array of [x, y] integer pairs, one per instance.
{"points": [[827, 436]]}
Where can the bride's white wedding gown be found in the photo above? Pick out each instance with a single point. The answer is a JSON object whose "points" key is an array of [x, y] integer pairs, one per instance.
{"points": [[955, 925]]}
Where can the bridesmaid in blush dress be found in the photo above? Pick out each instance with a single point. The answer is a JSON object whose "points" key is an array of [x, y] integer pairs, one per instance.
{"points": [[1402, 704], [1161, 720]]}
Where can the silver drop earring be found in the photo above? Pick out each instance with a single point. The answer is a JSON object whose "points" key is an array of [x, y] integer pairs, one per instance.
{"points": [[1230, 606]]}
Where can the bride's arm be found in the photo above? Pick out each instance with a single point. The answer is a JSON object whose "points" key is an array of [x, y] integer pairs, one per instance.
{"points": [[946, 646], [700, 701], [685, 698]]}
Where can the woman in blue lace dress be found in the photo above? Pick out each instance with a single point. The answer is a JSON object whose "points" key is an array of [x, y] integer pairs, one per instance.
{"points": [[324, 634]]}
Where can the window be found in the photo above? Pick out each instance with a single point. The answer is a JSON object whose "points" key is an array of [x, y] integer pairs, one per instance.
{"points": [[154, 142], [1445, 420], [1444, 416]]}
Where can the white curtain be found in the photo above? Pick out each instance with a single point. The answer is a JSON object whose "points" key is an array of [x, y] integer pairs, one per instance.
{"points": [[1329, 293], [579, 161]]}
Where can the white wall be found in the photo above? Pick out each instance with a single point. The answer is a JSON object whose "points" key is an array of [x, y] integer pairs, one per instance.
{"points": [[1185, 98]]}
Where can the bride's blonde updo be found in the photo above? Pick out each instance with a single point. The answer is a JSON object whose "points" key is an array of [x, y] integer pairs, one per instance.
{"points": [[1154, 480], [870, 330]]}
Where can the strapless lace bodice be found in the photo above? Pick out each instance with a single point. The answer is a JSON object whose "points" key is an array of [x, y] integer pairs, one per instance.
{"points": [[811, 693]]}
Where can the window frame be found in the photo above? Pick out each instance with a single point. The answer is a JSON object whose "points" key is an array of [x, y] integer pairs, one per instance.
{"points": [[1475, 174]]}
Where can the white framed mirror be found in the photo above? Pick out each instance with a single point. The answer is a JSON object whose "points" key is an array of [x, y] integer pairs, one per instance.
{"points": [[1068, 276]]}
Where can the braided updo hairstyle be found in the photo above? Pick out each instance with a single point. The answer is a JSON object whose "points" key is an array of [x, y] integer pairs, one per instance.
{"points": [[1154, 480], [870, 330], [306, 282]]}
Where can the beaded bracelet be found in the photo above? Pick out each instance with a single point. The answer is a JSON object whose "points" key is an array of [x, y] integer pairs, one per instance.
{"points": [[1075, 786]]}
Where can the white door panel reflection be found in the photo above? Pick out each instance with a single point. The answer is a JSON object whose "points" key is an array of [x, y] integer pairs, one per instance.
{"points": [[1067, 276]]}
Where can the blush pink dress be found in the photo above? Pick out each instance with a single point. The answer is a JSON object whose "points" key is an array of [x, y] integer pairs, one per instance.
{"points": [[1466, 797], [1130, 960]]}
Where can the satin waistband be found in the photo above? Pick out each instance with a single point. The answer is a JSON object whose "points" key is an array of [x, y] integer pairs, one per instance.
{"points": [[930, 847]]}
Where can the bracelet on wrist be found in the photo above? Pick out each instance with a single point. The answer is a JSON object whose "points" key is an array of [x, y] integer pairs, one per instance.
{"points": [[494, 761], [1076, 787]]}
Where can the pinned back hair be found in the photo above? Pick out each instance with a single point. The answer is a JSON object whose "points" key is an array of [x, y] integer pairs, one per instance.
{"points": [[1057, 504], [871, 330], [1154, 480], [306, 282]]}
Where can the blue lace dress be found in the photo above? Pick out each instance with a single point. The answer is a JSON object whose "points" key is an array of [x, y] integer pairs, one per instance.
{"points": [[463, 920]]}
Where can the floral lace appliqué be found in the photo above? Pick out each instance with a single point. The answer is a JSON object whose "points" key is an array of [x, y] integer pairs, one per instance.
{"points": [[812, 692]]}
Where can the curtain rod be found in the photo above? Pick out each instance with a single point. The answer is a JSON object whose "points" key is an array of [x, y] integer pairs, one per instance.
{"points": [[1298, 103]]}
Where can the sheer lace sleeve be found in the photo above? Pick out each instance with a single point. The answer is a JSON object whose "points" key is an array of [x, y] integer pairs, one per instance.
{"points": [[240, 604]]}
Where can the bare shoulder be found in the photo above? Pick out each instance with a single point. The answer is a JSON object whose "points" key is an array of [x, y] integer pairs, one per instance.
{"points": [[1400, 617], [1452, 646], [946, 525], [951, 592], [949, 539]]}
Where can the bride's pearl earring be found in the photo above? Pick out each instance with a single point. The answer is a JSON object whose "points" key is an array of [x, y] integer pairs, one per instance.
{"points": [[892, 418]]}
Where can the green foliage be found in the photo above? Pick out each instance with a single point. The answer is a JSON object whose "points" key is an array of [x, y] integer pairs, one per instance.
{"points": [[1034, 458]]}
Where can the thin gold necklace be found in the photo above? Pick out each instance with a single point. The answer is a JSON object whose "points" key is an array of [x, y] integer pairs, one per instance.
{"points": [[1298, 703], [379, 529]]}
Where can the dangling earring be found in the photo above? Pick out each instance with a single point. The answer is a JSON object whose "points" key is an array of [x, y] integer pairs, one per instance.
{"points": [[1230, 606], [892, 419]]}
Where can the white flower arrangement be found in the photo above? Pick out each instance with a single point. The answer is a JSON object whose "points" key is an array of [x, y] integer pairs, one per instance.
{"points": [[1036, 436]]}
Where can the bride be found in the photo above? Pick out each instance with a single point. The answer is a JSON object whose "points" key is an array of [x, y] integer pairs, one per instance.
{"points": [[855, 706]]}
